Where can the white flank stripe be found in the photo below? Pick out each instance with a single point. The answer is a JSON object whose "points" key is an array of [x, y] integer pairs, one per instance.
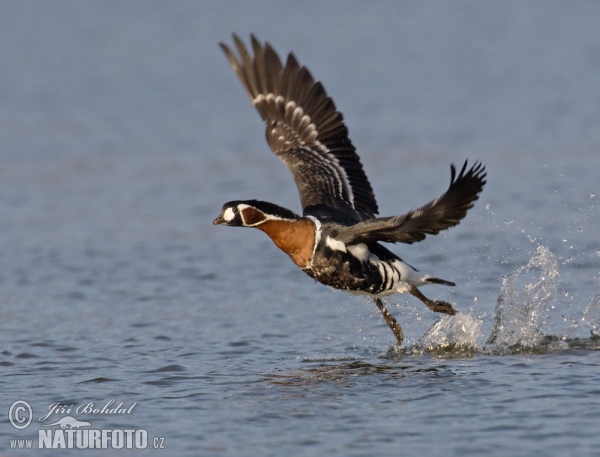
{"points": [[335, 244], [360, 251]]}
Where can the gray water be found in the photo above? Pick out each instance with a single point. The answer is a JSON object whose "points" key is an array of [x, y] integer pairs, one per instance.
{"points": [[123, 131]]}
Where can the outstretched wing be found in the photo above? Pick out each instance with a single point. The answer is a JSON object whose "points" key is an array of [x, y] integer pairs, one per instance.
{"points": [[442, 213], [305, 130]]}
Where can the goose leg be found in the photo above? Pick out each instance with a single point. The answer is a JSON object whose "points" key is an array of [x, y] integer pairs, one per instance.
{"points": [[391, 321], [437, 306]]}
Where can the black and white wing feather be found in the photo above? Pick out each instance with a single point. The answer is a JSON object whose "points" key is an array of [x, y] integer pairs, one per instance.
{"points": [[442, 213], [305, 130]]}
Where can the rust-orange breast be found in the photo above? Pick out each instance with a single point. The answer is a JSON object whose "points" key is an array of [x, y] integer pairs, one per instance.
{"points": [[295, 238]]}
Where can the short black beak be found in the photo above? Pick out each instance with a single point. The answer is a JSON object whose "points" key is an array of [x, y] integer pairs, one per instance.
{"points": [[219, 220]]}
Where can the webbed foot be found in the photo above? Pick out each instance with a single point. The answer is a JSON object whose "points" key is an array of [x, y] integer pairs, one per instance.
{"points": [[436, 306], [442, 307]]}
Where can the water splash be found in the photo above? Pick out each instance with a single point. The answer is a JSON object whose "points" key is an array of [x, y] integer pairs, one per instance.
{"points": [[457, 334], [591, 315], [519, 320], [521, 310]]}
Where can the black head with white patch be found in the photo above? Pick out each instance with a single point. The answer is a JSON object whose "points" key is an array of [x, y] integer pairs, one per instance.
{"points": [[251, 213]]}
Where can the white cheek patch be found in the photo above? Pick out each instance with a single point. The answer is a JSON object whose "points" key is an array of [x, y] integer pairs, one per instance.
{"points": [[228, 215]]}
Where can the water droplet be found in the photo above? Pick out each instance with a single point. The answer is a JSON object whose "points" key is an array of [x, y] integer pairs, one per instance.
{"points": [[593, 194], [487, 207], [598, 251]]}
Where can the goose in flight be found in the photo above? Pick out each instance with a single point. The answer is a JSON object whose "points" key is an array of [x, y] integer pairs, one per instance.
{"points": [[337, 239]]}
